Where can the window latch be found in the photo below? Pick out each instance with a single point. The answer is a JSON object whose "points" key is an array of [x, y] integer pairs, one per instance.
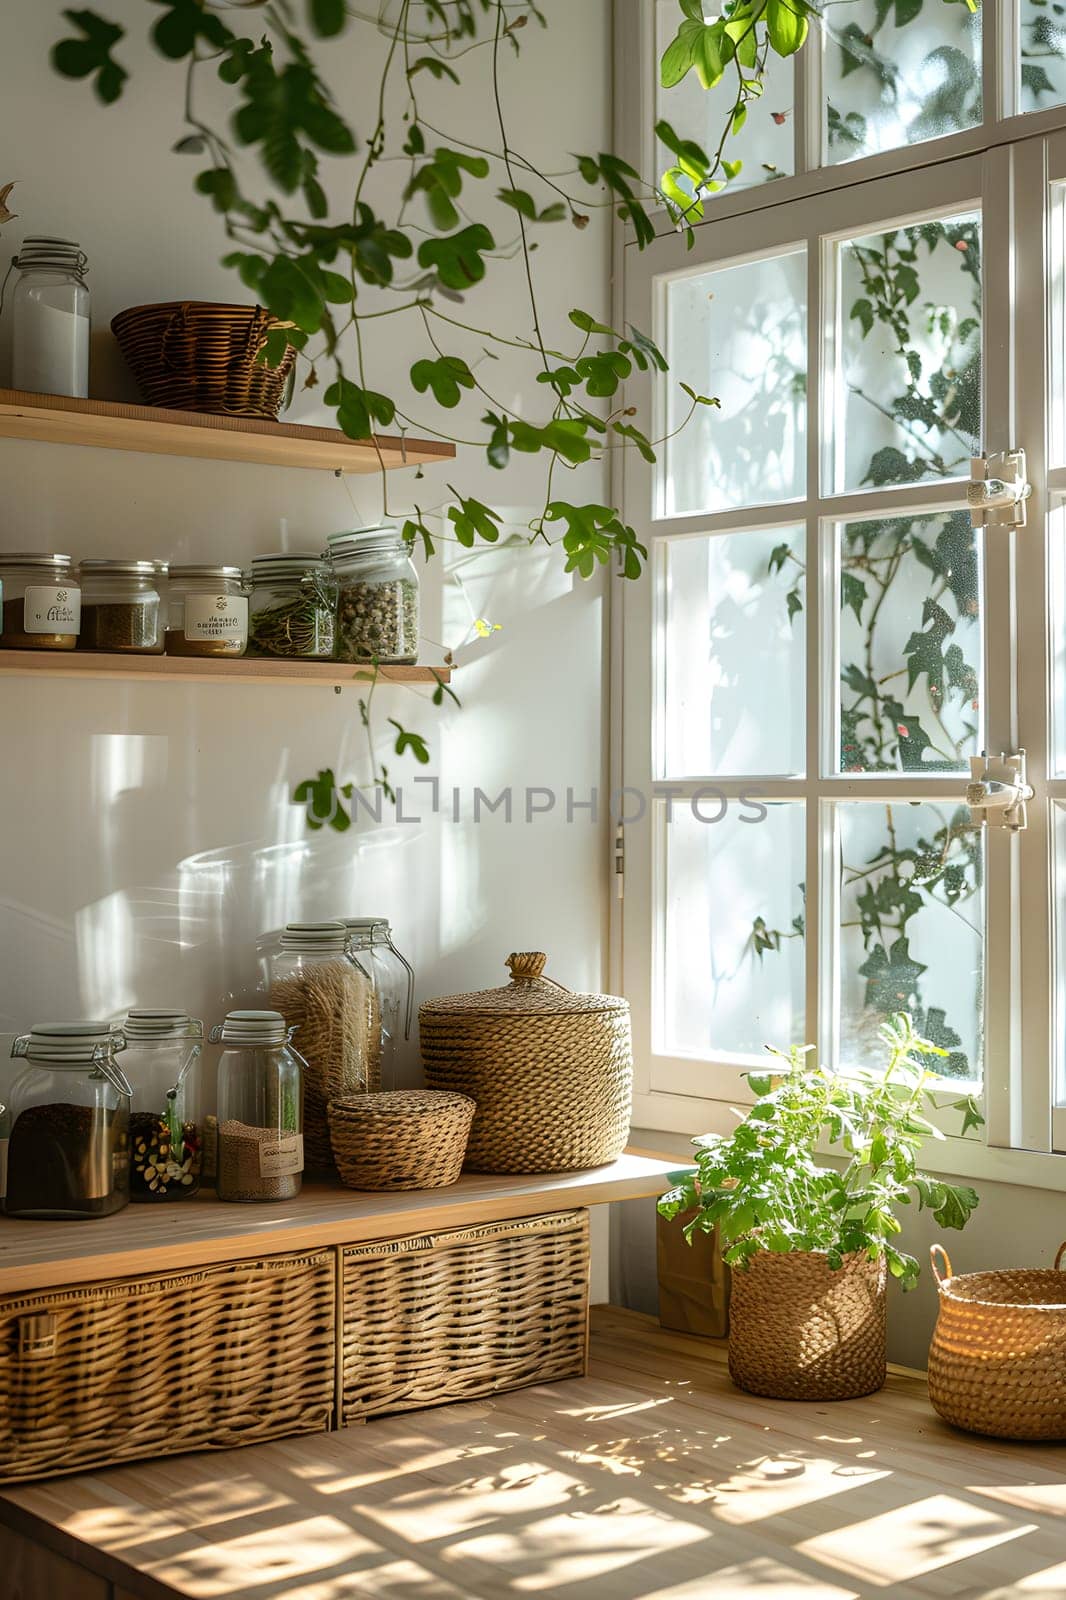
{"points": [[998, 490], [998, 784]]}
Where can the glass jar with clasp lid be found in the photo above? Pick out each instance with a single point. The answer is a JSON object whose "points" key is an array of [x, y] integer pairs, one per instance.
{"points": [[392, 975], [260, 1108], [50, 313], [41, 602], [166, 1131], [208, 612], [378, 598], [122, 606], [293, 606], [68, 1148]]}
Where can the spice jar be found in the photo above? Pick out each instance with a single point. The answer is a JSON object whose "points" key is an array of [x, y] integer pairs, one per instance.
{"points": [[50, 309], [372, 950], [166, 1138], [121, 606], [293, 606], [208, 612], [68, 1150], [41, 602], [260, 1110], [377, 606], [313, 982]]}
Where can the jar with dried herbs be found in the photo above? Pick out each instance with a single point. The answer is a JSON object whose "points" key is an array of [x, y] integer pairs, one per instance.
{"points": [[208, 612], [312, 980], [166, 1134], [378, 598], [41, 602], [122, 606], [260, 1108], [293, 607]]}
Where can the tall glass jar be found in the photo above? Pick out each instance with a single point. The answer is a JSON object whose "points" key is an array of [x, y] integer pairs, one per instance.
{"points": [[293, 607], [208, 612], [260, 1108], [378, 601], [50, 311], [41, 602], [68, 1150], [166, 1133], [122, 606], [373, 951], [328, 1000]]}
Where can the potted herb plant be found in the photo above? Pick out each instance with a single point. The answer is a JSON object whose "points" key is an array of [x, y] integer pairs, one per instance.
{"points": [[804, 1195]]}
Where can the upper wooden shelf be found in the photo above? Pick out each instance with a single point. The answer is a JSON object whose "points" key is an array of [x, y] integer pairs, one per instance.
{"points": [[112, 425], [201, 669]]}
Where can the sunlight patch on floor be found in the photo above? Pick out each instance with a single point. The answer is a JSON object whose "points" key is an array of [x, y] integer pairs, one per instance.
{"points": [[901, 1545]]}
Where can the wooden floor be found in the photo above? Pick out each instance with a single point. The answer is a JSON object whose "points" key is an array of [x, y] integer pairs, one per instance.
{"points": [[652, 1479]]}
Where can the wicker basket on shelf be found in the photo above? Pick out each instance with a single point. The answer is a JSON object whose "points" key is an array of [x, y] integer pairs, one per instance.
{"points": [[403, 1139], [551, 1071], [194, 355], [997, 1363]]}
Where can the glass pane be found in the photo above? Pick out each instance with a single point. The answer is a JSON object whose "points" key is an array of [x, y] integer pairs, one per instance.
{"points": [[764, 145], [740, 333], [911, 682], [1056, 532], [895, 74], [908, 403], [1042, 36], [1058, 827], [727, 601], [912, 929], [731, 959]]}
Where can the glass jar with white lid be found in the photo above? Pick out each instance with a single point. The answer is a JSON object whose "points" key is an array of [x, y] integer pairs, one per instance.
{"points": [[166, 1132], [50, 315], [122, 606], [293, 606], [378, 596], [208, 611], [260, 1108], [41, 602]]}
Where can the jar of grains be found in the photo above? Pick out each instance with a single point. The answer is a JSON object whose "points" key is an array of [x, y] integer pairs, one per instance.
{"points": [[166, 1139], [377, 606], [208, 612], [41, 602], [122, 607], [293, 606], [260, 1108]]}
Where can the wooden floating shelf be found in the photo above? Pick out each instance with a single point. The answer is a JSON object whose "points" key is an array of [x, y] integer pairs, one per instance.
{"points": [[201, 669], [112, 425]]}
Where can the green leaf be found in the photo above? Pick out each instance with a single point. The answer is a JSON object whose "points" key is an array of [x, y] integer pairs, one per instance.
{"points": [[221, 185], [184, 24], [711, 51], [472, 520], [440, 179], [458, 258], [957, 1206], [289, 292], [863, 313], [448, 376], [906, 11], [627, 431], [328, 17], [435, 67], [498, 449], [414, 742], [786, 23], [90, 56], [588, 324], [853, 593], [358, 408], [594, 534]]}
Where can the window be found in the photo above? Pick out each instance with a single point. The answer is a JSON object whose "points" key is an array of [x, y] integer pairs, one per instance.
{"points": [[825, 640]]}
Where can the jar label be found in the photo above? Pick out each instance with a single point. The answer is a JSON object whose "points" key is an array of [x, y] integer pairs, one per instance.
{"points": [[280, 1157], [51, 609], [216, 616]]}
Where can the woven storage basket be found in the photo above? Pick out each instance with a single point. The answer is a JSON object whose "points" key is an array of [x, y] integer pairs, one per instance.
{"points": [[798, 1331], [451, 1316], [406, 1139], [551, 1071], [149, 1366], [193, 355], [997, 1363]]}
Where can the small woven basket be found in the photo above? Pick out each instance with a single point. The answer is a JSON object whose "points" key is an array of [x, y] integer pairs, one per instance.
{"points": [[195, 355], [800, 1331], [404, 1139], [997, 1363]]}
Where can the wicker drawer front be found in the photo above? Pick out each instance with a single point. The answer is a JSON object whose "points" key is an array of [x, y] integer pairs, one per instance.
{"points": [[451, 1316], [203, 1360]]}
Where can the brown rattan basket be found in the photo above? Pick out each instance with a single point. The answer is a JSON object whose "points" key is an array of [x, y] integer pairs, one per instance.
{"points": [[551, 1071], [997, 1363], [405, 1139], [799, 1331], [194, 355]]}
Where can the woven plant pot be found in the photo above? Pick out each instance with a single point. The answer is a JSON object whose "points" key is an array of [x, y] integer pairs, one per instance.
{"points": [[406, 1139], [551, 1071], [799, 1331], [195, 355], [997, 1363]]}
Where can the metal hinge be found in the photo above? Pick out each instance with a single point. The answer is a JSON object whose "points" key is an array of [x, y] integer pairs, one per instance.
{"points": [[999, 784], [998, 489], [619, 862]]}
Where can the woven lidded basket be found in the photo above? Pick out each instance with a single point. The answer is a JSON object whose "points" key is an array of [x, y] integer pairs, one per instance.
{"points": [[799, 1331], [551, 1071], [997, 1363], [194, 355], [405, 1139]]}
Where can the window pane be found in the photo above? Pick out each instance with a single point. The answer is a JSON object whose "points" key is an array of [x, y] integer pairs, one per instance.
{"points": [[740, 333], [908, 388], [731, 954], [764, 145], [910, 644], [1058, 838], [1042, 36], [1056, 530], [912, 929], [896, 74], [729, 602]]}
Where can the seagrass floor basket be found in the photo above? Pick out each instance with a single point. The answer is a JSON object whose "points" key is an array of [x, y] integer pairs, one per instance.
{"points": [[997, 1363], [800, 1331], [401, 1139], [194, 355], [550, 1071]]}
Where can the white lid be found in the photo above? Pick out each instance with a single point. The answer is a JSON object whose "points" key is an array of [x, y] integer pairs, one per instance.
{"points": [[68, 1042], [159, 1024], [97, 567], [34, 558], [327, 937], [251, 1028]]}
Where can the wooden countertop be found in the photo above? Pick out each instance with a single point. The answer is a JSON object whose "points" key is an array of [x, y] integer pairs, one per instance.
{"points": [[146, 1238]]}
